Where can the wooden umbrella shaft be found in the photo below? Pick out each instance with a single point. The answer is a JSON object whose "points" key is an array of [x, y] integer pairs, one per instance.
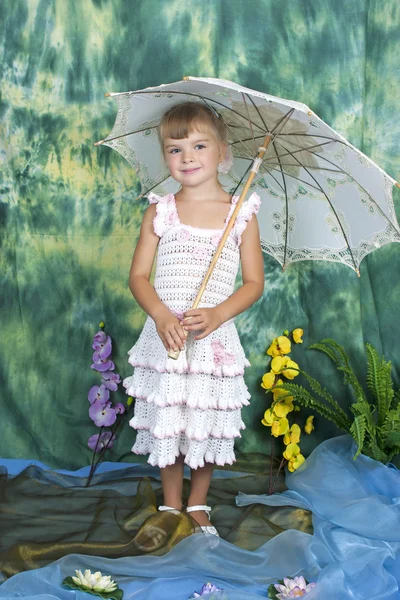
{"points": [[175, 354]]}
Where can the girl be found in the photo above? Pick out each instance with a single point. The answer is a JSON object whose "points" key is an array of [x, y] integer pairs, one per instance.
{"points": [[189, 410]]}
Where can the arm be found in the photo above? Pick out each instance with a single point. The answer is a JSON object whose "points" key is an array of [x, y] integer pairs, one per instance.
{"points": [[252, 275], [208, 319], [168, 328]]}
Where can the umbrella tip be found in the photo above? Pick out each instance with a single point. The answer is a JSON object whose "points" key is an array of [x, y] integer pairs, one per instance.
{"points": [[98, 143], [107, 94], [186, 77], [283, 268], [397, 184], [358, 272]]}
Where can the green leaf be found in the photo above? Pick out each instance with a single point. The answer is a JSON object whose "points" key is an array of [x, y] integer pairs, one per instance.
{"points": [[115, 595], [358, 430], [272, 592]]}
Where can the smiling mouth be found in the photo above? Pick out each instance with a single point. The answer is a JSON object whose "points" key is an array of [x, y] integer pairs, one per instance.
{"points": [[191, 170]]}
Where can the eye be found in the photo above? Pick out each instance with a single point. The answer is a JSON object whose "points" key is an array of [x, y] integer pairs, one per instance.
{"points": [[199, 146], [174, 150]]}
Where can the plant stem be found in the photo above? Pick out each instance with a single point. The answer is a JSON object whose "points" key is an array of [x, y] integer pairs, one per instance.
{"points": [[283, 462], [270, 464]]}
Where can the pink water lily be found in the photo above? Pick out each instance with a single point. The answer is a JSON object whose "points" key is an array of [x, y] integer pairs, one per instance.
{"points": [[293, 588]]}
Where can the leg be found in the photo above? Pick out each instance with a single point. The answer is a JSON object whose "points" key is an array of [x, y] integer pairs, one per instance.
{"points": [[200, 480], [172, 483]]}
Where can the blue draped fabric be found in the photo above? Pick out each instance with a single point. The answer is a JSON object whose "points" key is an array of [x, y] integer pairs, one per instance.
{"points": [[354, 553]]}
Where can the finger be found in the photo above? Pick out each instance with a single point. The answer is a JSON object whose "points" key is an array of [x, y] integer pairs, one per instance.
{"points": [[171, 342], [191, 313], [193, 323], [182, 334]]}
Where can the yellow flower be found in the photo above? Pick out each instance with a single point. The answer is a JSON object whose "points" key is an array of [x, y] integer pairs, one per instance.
{"points": [[282, 399], [309, 426], [268, 380], [269, 418], [294, 463], [280, 427], [280, 345], [278, 363], [291, 450], [293, 435], [292, 454], [288, 369], [297, 333]]}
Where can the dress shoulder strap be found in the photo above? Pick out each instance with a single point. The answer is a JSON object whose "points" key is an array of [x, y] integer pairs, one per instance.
{"points": [[247, 210], [166, 216]]}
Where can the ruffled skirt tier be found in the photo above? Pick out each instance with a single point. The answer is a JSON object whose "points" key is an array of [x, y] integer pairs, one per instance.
{"points": [[191, 405]]}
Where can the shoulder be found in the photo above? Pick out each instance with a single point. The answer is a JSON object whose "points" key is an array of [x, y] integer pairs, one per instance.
{"points": [[244, 220], [156, 199]]}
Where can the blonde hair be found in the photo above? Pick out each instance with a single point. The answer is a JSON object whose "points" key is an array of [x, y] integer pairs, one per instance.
{"points": [[182, 118]]}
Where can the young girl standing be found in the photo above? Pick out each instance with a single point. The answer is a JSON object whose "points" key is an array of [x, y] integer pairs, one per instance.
{"points": [[189, 410]]}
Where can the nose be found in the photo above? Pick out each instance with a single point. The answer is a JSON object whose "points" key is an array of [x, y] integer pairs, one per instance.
{"points": [[187, 158]]}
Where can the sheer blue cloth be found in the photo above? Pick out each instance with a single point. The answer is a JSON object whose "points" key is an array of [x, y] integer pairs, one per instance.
{"points": [[354, 553]]}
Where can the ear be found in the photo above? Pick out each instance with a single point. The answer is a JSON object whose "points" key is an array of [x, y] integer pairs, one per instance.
{"points": [[222, 150]]}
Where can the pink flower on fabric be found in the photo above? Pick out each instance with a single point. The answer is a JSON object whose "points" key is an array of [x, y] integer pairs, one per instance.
{"points": [[199, 252], [221, 357], [216, 238], [171, 218], [183, 235], [170, 198], [235, 199]]}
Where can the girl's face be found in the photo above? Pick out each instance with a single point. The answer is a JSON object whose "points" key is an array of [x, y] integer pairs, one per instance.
{"points": [[193, 160]]}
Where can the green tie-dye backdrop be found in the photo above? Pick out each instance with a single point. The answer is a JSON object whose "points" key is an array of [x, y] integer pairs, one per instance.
{"points": [[69, 221]]}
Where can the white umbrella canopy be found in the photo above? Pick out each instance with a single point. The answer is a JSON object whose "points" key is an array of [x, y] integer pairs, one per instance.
{"points": [[322, 198]]}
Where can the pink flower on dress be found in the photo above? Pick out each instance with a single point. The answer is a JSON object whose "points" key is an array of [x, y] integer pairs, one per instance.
{"points": [[221, 357], [200, 252], [171, 218], [216, 238], [183, 235]]}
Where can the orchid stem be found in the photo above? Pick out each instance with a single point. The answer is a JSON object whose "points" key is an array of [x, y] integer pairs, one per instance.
{"points": [[270, 465]]}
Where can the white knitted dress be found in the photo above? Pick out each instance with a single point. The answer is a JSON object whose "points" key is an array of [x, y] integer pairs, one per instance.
{"points": [[192, 405]]}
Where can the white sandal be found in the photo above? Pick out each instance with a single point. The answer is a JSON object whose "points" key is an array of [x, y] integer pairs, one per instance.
{"points": [[205, 528], [170, 509]]}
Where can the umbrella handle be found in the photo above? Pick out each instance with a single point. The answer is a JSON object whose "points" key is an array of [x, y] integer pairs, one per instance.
{"points": [[257, 161]]}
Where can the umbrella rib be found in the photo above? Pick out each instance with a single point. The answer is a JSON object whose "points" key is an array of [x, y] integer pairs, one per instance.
{"points": [[332, 207], [361, 186], [251, 127], [196, 96]]}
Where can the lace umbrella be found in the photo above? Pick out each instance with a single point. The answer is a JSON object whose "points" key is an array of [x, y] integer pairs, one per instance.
{"points": [[322, 198]]}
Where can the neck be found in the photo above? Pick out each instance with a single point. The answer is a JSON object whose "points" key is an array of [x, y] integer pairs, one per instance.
{"points": [[206, 190]]}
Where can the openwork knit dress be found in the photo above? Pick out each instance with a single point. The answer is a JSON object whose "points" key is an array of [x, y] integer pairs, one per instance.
{"points": [[192, 405]]}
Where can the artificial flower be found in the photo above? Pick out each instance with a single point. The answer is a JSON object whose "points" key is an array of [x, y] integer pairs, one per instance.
{"points": [[278, 363], [288, 369], [94, 581], [279, 346], [293, 435], [293, 456], [111, 380], [297, 333], [207, 588], [279, 427], [105, 439], [103, 415], [269, 418], [268, 380], [309, 426], [283, 407], [99, 393], [293, 588], [281, 393]]}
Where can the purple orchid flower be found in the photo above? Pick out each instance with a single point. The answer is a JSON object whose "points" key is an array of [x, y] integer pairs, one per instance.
{"points": [[111, 380], [207, 588], [102, 364], [99, 393], [119, 408], [103, 415], [105, 438], [102, 342]]}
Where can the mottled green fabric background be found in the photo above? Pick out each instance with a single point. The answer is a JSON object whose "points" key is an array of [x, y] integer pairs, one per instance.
{"points": [[69, 221]]}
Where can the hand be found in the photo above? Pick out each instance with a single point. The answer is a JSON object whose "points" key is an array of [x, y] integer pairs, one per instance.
{"points": [[170, 331], [205, 319]]}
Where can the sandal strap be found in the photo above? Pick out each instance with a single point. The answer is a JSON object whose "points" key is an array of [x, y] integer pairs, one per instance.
{"points": [[204, 507], [162, 508]]}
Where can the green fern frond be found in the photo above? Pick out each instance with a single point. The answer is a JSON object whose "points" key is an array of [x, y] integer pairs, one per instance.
{"points": [[318, 389], [358, 431], [303, 397], [379, 381], [330, 347]]}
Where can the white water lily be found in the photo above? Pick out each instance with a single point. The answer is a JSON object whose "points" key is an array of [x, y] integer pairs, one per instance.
{"points": [[94, 581], [293, 588]]}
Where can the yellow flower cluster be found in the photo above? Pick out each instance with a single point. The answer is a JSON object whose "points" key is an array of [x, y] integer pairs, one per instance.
{"points": [[276, 417]]}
